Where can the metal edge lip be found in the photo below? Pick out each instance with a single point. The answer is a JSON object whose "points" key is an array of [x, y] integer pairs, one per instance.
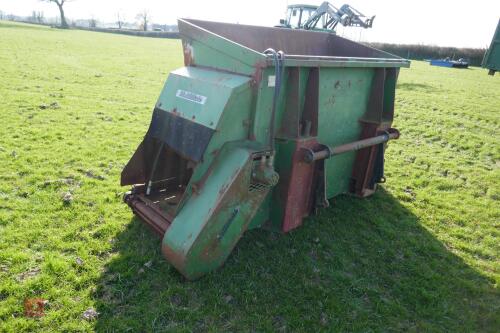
{"points": [[302, 58], [296, 60], [187, 21], [192, 25], [337, 58]]}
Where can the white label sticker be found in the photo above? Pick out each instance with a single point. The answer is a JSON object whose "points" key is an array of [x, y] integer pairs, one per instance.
{"points": [[190, 96], [271, 80]]}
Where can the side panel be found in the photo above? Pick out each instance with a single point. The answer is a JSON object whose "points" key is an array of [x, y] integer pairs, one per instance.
{"points": [[233, 126], [199, 95], [212, 221], [343, 100], [492, 57]]}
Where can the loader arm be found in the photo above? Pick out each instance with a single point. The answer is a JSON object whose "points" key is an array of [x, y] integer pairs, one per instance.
{"points": [[328, 17]]}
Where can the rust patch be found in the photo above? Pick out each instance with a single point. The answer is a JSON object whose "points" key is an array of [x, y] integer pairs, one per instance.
{"points": [[188, 54], [298, 189], [149, 213], [175, 258], [34, 307], [236, 192], [364, 163], [195, 188], [257, 75]]}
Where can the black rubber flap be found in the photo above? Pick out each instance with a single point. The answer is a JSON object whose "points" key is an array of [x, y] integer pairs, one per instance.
{"points": [[186, 137]]}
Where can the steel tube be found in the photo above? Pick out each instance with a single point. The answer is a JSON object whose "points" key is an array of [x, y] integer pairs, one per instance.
{"points": [[352, 146], [148, 213]]}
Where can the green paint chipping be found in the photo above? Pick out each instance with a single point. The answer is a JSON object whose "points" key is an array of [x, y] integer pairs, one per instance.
{"points": [[343, 100]]}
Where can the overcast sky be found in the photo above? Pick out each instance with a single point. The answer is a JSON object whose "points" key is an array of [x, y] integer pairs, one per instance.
{"points": [[435, 22]]}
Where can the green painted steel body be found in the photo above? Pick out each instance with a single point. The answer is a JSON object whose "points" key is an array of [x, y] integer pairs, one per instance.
{"points": [[227, 87], [491, 58]]}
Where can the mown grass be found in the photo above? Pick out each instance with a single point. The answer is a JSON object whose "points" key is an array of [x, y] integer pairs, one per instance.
{"points": [[420, 255]]}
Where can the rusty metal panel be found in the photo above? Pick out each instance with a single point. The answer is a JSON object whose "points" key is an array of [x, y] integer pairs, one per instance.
{"points": [[296, 43], [298, 190]]}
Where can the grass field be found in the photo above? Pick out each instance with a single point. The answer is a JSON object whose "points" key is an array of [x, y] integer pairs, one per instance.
{"points": [[421, 255]]}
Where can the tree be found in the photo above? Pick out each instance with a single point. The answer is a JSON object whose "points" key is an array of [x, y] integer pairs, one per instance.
{"points": [[144, 18], [40, 17], [60, 4], [37, 17], [92, 22], [119, 20]]}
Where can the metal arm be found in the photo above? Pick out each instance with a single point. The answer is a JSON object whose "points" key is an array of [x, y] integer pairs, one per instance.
{"points": [[331, 16], [327, 152]]}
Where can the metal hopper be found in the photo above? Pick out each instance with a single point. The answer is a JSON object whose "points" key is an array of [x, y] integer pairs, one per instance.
{"points": [[260, 127]]}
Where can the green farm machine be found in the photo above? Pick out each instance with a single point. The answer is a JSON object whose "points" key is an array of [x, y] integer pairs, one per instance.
{"points": [[260, 128], [491, 60], [325, 17]]}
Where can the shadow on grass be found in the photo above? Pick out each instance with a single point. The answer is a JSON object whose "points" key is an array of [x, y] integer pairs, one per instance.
{"points": [[417, 87], [362, 265]]}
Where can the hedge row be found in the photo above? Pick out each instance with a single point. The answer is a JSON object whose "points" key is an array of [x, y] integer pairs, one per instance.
{"points": [[423, 52]]}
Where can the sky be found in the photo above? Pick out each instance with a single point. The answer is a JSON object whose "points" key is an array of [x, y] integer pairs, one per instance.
{"points": [[432, 22]]}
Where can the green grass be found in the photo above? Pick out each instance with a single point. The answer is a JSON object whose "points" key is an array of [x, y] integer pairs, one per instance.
{"points": [[420, 255]]}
